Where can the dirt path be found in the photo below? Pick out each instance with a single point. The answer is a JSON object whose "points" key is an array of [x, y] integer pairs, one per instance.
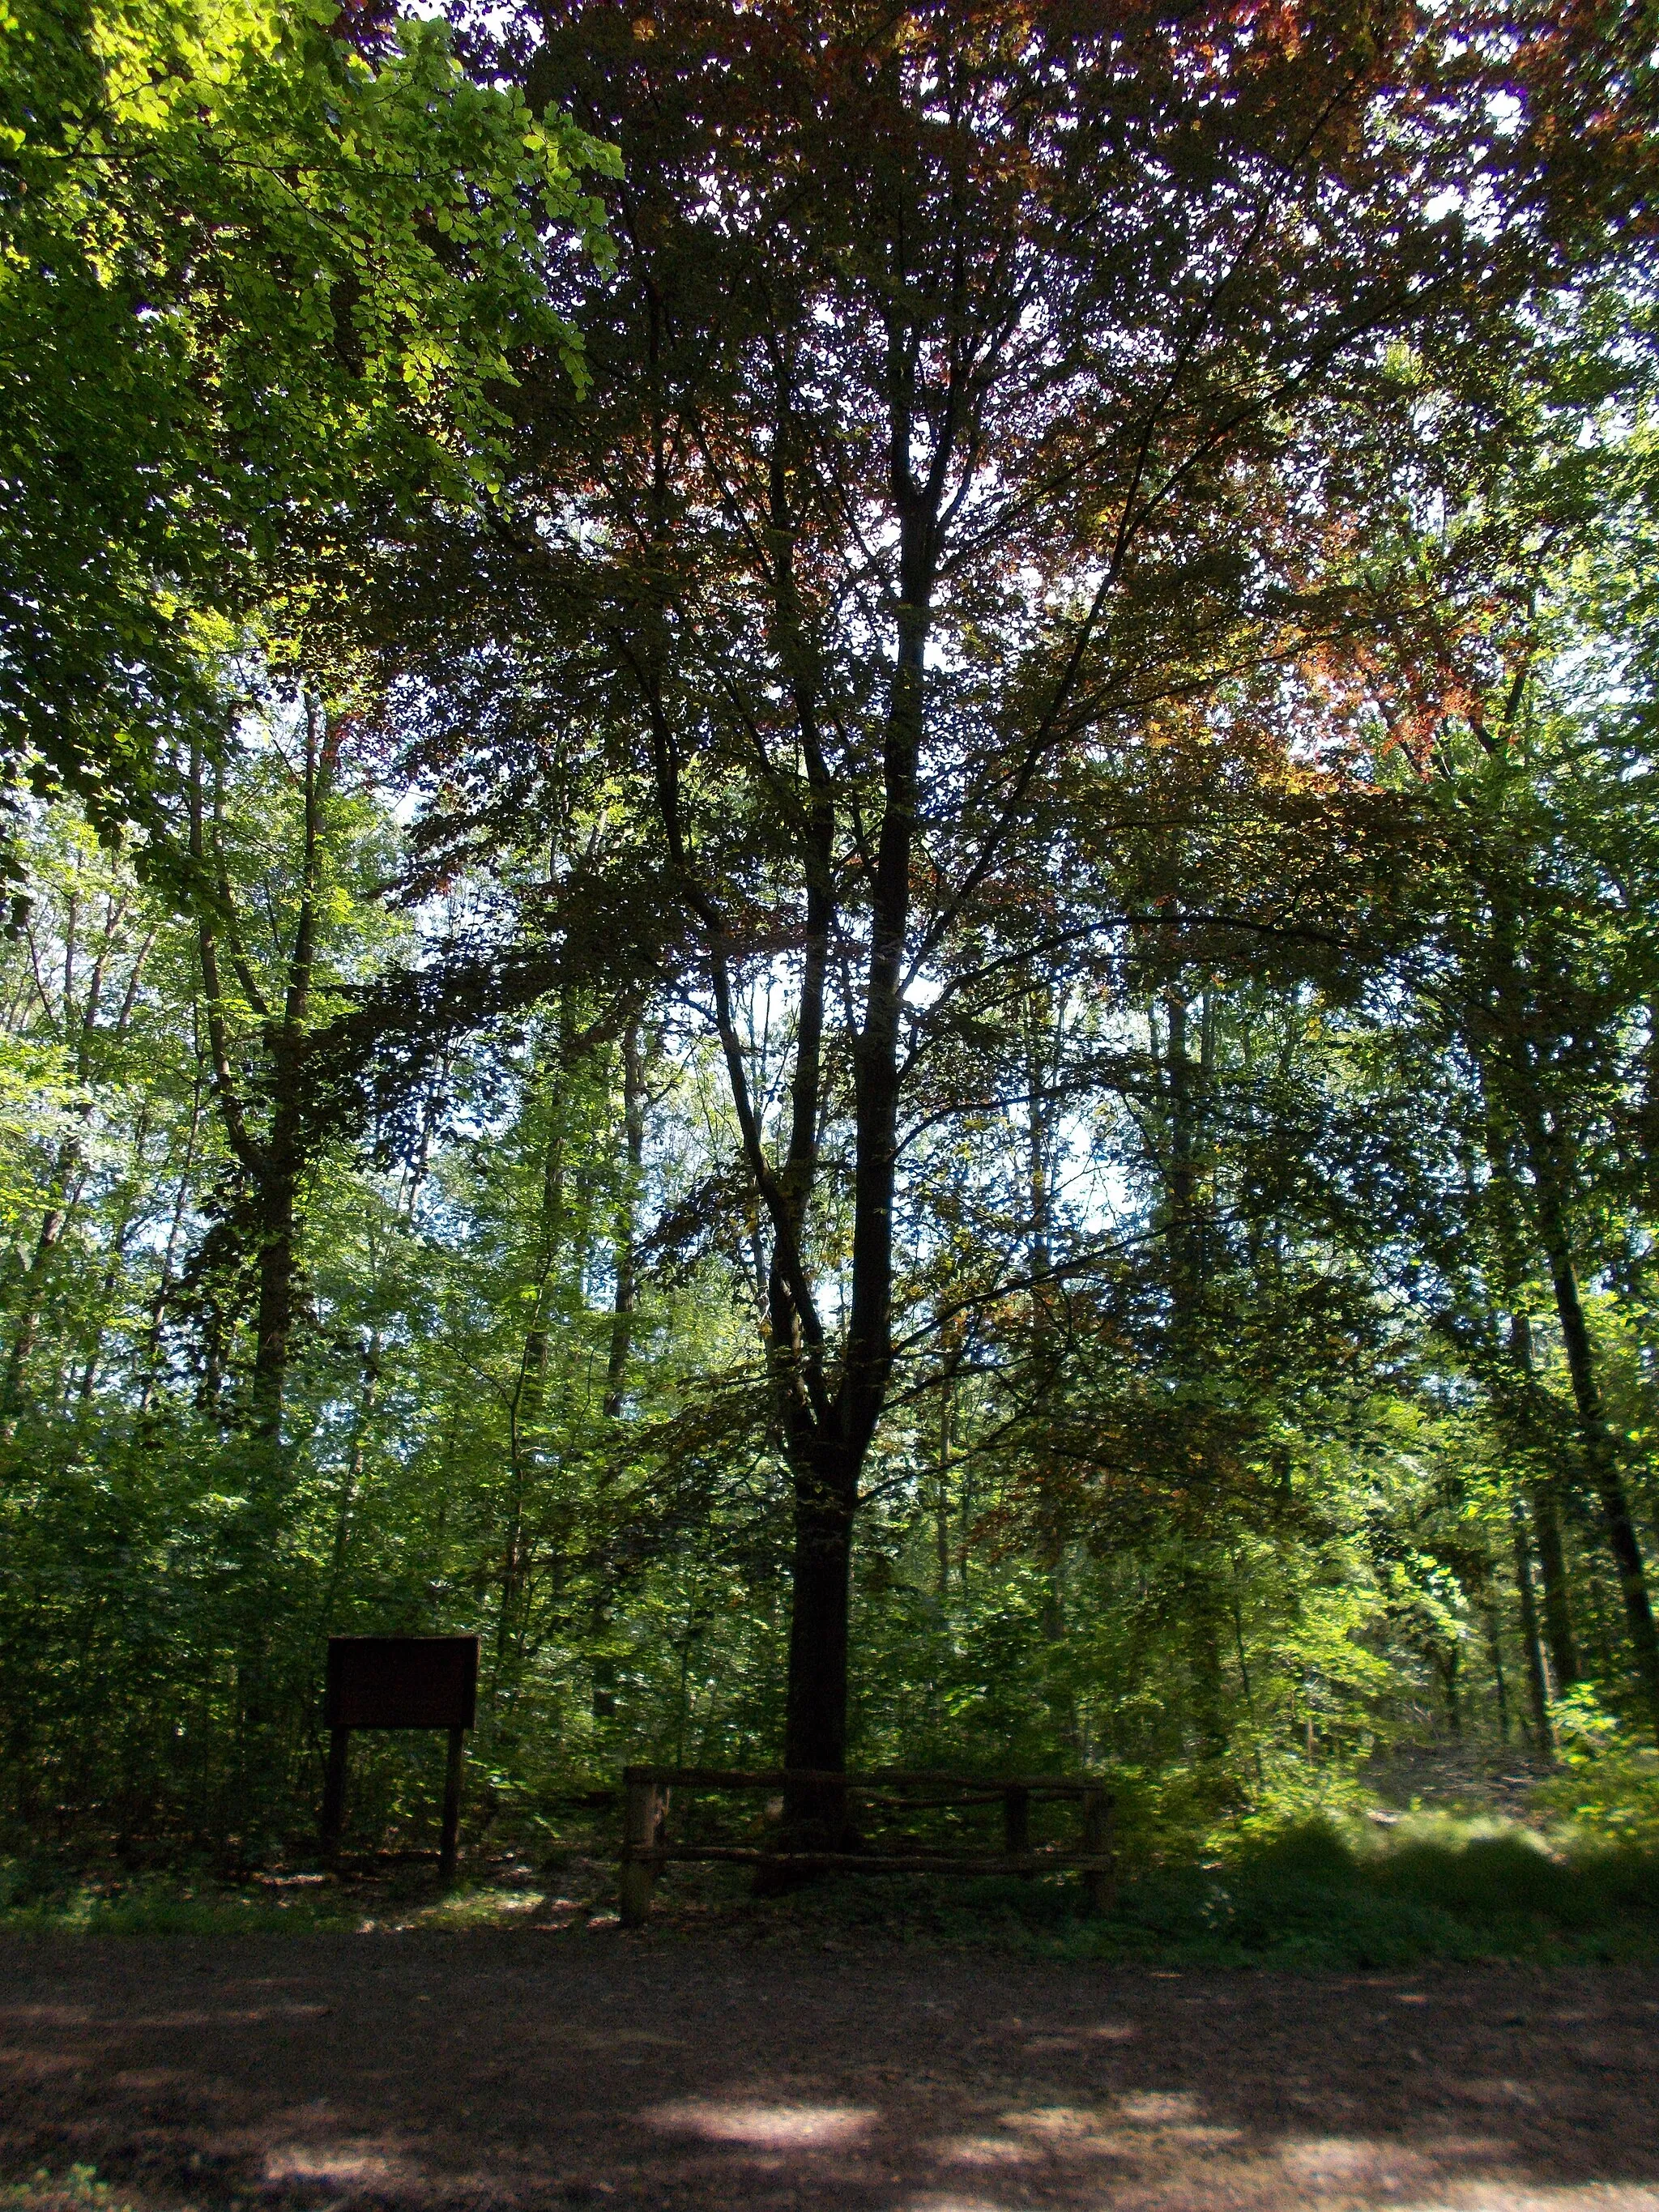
{"points": [[519, 2070]]}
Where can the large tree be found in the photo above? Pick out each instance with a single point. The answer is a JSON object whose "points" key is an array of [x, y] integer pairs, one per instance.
{"points": [[977, 381]]}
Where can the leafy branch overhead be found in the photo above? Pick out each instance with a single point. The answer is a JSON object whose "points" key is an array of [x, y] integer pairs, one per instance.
{"points": [[258, 288]]}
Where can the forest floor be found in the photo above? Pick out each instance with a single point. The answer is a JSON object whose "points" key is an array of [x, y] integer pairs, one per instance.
{"points": [[415, 2071]]}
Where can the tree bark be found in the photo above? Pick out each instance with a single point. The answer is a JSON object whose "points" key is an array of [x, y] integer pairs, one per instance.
{"points": [[1600, 1450], [529, 1393], [1537, 1686], [1542, 1496], [621, 1312], [1552, 1564], [275, 1163], [816, 1724]]}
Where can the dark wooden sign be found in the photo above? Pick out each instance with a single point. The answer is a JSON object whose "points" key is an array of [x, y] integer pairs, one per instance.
{"points": [[399, 1682]]}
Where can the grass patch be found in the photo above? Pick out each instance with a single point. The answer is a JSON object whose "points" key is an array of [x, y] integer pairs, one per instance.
{"points": [[164, 1904], [1320, 1896], [79, 2190], [47, 1901]]}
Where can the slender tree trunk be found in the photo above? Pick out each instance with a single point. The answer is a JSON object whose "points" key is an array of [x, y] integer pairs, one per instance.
{"points": [[1537, 1686], [942, 1500], [1545, 1143], [1040, 1022], [1495, 1656], [164, 1280], [1601, 1451], [604, 1670], [1542, 1496], [351, 1482], [528, 1400], [622, 1315], [1203, 1610], [116, 1262], [1185, 1113]]}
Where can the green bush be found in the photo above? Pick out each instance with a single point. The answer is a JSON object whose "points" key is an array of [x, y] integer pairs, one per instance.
{"points": [[1606, 1789]]}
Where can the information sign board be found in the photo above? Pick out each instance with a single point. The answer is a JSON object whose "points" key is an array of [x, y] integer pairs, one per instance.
{"points": [[401, 1683]]}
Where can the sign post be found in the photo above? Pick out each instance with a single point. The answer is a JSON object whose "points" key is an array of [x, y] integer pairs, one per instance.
{"points": [[399, 1682]]}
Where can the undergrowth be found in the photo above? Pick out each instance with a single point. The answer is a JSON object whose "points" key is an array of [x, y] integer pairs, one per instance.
{"points": [[1303, 1876], [1314, 1897], [1323, 1894]]}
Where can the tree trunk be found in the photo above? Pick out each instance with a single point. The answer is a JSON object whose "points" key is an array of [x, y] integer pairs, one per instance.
{"points": [[942, 1499], [273, 1320], [815, 1722], [1547, 1524], [1553, 1563], [26, 1334], [528, 1399], [1495, 1656], [622, 1312], [1601, 1451], [117, 1260], [603, 1692], [169, 1250], [1537, 1688], [1041, 1019], [273, 1166], [1203, 1609]]}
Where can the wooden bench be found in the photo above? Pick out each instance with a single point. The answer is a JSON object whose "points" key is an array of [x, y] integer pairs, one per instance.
{"points": [[646, 1849]]}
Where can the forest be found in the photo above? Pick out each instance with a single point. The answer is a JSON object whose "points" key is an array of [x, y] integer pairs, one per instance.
{"points": [[831, 851]]}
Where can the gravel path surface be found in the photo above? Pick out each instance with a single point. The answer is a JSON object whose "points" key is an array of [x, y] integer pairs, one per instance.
{"points": [[538, 2071]]}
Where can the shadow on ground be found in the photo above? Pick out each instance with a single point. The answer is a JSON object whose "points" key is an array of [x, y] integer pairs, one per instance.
{"points": [[532, 2070]]}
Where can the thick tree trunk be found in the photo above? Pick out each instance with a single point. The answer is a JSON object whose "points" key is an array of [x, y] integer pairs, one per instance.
{"points": [[815, 1720]]}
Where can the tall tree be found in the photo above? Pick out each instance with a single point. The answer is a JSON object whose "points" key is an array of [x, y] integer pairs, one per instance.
{"points": [[970, 386]]}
